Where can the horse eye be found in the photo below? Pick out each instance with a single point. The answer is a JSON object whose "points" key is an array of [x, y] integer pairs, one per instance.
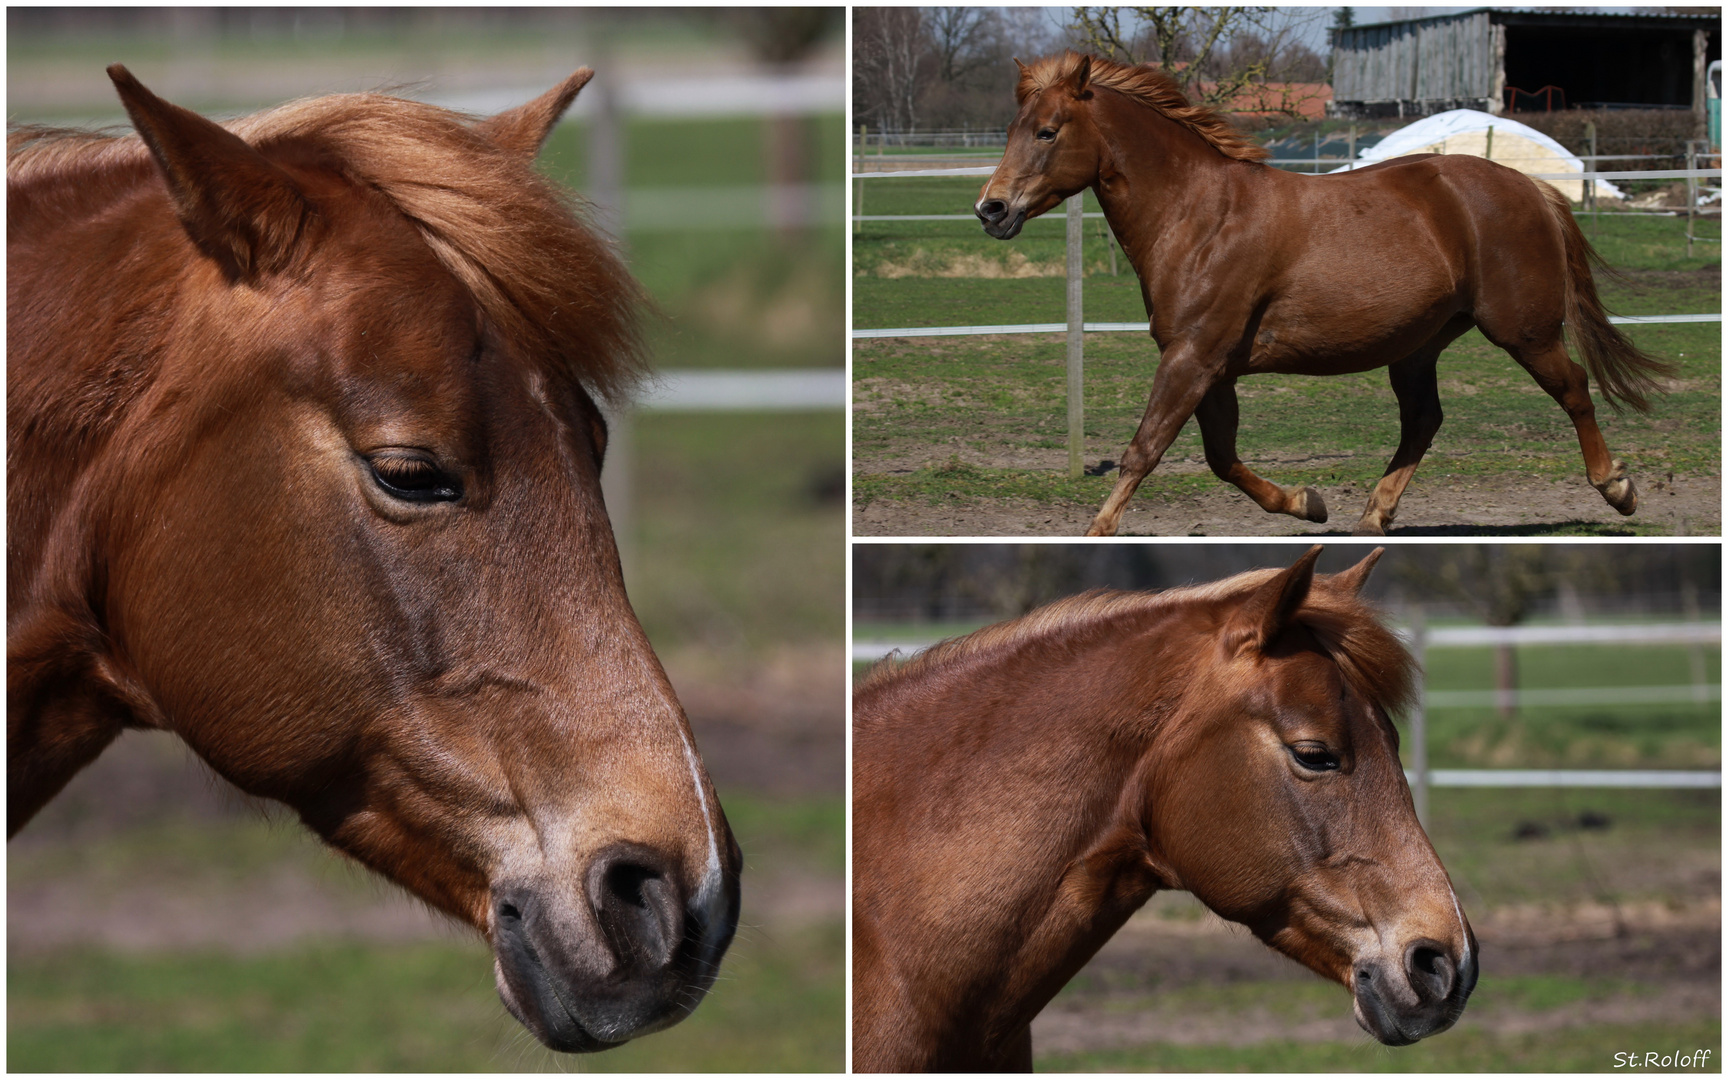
{"points": [[1048, 134], [1314, 756], [413, 479]]}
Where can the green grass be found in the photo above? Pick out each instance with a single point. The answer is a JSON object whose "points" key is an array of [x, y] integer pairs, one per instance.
{"points": [[1577, 1049], [1657, 846], [425, 1006], [1670, 735], [920, 404], [738, 542]]}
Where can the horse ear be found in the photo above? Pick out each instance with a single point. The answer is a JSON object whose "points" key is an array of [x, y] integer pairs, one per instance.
{"points": [[239, 209], [524, 129], [1082, 75], [1357, 576], [1269, 609], [1021, 66]]}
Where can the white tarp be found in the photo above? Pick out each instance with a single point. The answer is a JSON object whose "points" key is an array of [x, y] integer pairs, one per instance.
{"points": [[1465, 131]]}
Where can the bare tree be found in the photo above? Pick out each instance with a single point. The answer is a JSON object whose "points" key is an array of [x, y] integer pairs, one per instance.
{"points": [[957, 35], [890, 49], [1225, 57]]}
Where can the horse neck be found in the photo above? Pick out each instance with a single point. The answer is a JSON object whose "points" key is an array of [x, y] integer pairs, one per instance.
{"points": [[69, 385], [1042, 742], [1155, 175]]}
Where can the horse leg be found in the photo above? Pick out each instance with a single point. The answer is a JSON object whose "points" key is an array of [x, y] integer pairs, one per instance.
{"points": [[1217, 415], [1415, 382], [1015, 1053], [65, 703], [1182, 381], [1567, 384], [48, 742]]}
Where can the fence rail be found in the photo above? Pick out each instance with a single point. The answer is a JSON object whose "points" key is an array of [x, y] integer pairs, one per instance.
{"points": [[1146, 327], [745, 391], [1652, 174], [1422, 777]]}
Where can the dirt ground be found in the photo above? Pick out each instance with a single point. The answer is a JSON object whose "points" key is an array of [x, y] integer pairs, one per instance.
{"points": [[773, 727], [1517, 507], [1672, 955]]}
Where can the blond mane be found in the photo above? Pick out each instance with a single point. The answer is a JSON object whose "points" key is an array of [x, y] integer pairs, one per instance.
{"points": [[547, 282], [1147, 85], [1373, 660]]}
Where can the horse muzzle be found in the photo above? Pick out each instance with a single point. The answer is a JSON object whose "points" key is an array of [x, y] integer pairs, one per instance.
{"points": [[998, 222], [1421, 995], [635, 955]]}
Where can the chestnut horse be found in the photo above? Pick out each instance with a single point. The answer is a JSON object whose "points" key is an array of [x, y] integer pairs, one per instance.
{"points": [[304, 466], [1018, 793], [1246, 269]]}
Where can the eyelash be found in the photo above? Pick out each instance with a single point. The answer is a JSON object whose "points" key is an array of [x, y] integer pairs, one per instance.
{"points": [[413, 479]]}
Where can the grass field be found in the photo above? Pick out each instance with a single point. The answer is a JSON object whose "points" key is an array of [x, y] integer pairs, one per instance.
{"points": [[424, 1005], [1563, 1050], [740, 534], [984, 418]]}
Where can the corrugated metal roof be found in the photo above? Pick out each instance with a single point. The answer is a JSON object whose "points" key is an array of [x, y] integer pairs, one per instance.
{"points": [[1678, 17]]}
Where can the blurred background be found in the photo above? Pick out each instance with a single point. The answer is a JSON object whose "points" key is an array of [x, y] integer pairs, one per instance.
{"points": [[1574, 796], [156, 921]]}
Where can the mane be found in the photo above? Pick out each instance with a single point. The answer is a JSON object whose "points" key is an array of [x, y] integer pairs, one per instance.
{"points": [[1149, 86], [1370, 656], [541, 275]]}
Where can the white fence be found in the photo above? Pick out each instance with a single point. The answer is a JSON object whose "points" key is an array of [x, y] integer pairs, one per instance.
{"points": [[745, 391], [1421, 639]]}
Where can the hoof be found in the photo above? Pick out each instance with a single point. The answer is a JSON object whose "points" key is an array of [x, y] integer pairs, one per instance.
{"points": [[1619, 490], [1307, 505], [1099, 528], [1367, 528]]}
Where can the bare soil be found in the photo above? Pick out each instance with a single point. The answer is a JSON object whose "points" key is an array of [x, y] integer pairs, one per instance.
{"points": [[1499, 507], [1132, 993]]}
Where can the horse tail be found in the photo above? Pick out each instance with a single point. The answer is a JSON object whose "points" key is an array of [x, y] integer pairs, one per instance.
{"points": [[1625, 375]]}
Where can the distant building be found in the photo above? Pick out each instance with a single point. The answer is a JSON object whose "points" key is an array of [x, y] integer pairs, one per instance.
{"points": [[1500, 61]]}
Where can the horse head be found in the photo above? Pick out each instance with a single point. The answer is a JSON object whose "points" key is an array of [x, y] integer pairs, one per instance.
{"points": [[1281, 804], [1052, 151], [348, 542]]}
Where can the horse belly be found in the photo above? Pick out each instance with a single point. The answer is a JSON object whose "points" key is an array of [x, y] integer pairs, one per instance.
{"points": [[1323, 338]]}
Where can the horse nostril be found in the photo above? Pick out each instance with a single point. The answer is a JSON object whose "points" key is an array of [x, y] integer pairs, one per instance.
{"points": [[992, 209], [638, 911], [1431, 971]]}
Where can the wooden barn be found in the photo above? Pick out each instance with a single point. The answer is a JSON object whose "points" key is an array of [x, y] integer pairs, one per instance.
{"points": [[1498, 61]]}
